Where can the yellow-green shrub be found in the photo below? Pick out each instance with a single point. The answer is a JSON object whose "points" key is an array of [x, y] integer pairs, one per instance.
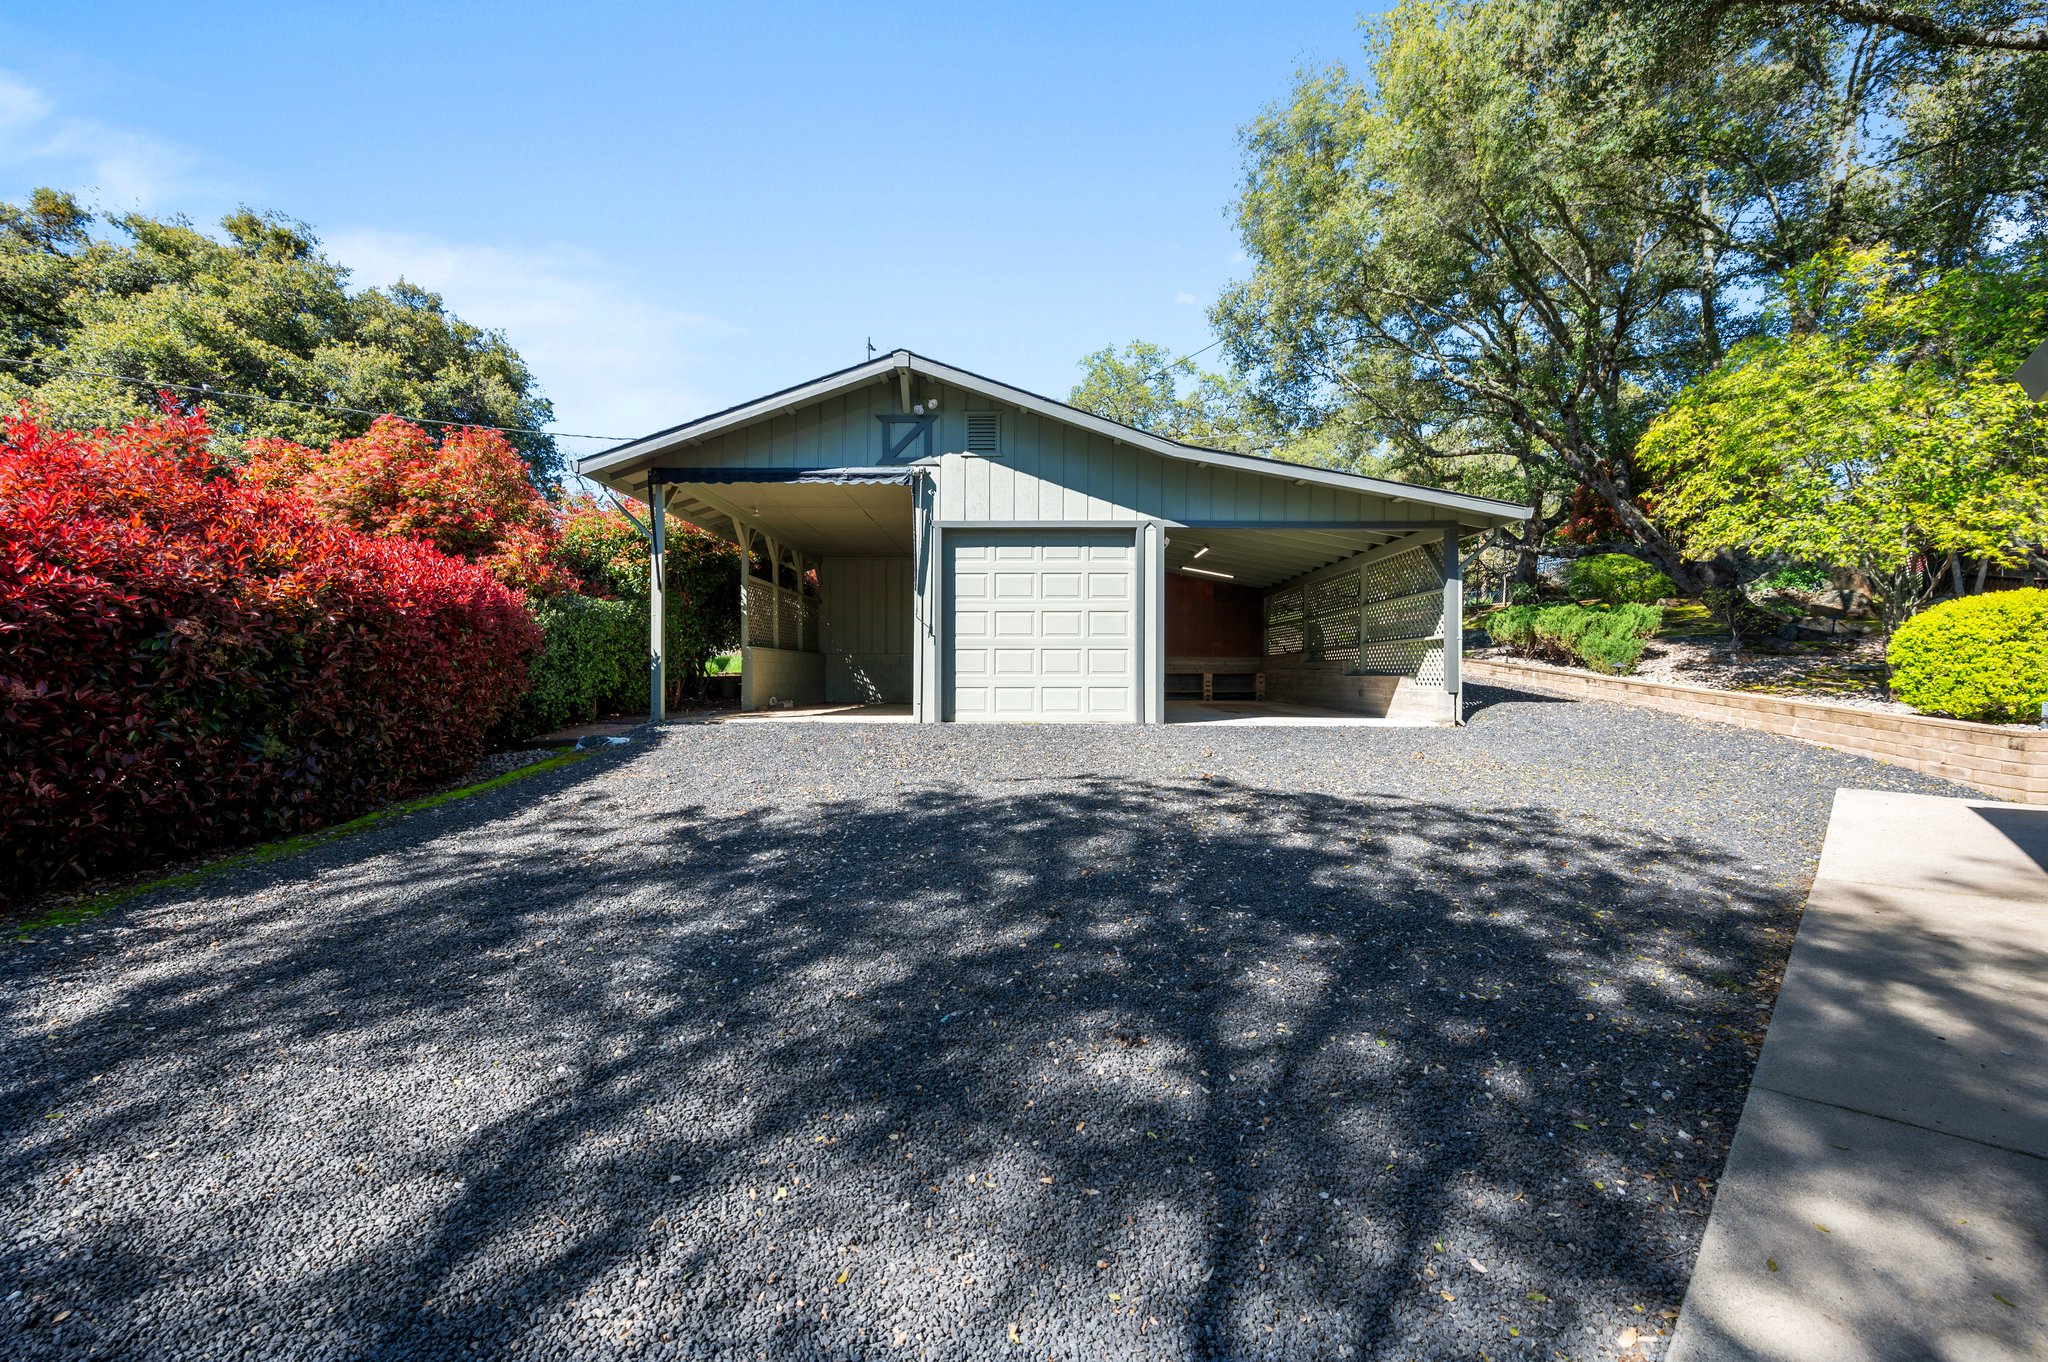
{"points": [[1978, 657], [1617, 579]]}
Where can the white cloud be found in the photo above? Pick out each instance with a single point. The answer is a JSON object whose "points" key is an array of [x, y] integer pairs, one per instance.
{"points": [[613, 360], [111, 166], [1186, 299], [613, 357]]}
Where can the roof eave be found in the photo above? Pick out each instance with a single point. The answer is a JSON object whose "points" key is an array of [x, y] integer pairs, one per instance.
{"points": [[1482, 510]]}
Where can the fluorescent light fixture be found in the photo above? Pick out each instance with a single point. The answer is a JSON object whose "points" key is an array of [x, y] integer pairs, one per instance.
{"points": [[1207, 573], [1202, 550]]}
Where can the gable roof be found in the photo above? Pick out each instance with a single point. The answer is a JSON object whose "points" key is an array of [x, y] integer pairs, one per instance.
{"points": [[635, 455]]}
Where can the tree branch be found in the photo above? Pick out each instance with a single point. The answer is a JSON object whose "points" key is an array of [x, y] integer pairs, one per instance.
{"points": [[1924, 27]]}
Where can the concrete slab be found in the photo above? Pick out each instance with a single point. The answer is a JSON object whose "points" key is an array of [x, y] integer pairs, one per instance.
{"points": [[1275, 714], [1840, 1237], [1892, 1158], [857, 714], [1924, 843], [1926, 1008]]}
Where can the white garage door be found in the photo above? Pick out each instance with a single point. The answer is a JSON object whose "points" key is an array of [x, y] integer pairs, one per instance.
{"points": [[1043, 625]]}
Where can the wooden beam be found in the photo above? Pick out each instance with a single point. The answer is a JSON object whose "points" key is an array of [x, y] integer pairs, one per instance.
{"points": [[1405, 544]]}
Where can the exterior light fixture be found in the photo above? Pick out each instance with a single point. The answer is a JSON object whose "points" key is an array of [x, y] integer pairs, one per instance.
{"points": [[1228, 577], [1202, 550]]}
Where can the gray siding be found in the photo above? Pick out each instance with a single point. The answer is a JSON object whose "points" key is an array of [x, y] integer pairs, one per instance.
{"points": [[1046, 470], [868, 624]]}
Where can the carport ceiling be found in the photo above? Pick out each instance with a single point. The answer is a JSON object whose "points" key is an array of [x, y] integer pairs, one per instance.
{"points": [[1265, 558], [856, 521]]}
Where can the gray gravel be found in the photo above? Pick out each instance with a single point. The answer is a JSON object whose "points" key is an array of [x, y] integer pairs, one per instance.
{"points": [[810, 1041]]}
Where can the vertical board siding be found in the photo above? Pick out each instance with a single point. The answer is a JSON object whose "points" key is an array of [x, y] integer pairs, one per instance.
{"points": [[868, 624], [1047, 470]]}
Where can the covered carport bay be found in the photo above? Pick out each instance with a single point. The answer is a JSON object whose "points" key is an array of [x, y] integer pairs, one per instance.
{"points": [[1353, 616], [1339, 617], [826, 600]]}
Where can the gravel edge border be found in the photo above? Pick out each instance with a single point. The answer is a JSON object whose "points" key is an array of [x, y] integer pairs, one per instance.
{"points": [[91, 905]]}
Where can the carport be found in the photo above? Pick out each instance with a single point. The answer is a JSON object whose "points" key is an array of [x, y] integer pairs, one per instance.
{"points": [[918, 534]]}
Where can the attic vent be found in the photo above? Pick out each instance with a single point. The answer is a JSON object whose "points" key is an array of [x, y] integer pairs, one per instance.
{"points": [[984, 432]]}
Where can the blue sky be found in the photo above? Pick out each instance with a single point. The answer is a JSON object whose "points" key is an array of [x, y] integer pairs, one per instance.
{"points": [[673, 207]]}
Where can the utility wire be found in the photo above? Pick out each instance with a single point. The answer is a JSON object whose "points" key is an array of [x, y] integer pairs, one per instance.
{"points": [[207, 389]]}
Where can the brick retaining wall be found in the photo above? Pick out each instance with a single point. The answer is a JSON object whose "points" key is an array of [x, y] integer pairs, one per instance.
{"points": [[2008, 761]]}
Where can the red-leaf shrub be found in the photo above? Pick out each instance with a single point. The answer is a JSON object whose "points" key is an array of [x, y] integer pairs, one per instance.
{"points": [[187, 661], [469, 495]]}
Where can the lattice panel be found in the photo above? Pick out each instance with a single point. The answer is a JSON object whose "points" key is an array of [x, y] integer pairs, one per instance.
{"points": [[760, 605], [1284, 632], [1419, 616], [1422, 659], [1330, 623], [1404, 574], [789, 621]]}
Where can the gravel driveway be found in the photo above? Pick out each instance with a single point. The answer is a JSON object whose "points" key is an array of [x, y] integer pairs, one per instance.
{"points": [[875, 1041]]}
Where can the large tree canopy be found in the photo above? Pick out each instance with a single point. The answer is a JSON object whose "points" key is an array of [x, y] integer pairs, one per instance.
{"points": [[1146, 386], [85, 318], [1531, 224], [1880, 433]]}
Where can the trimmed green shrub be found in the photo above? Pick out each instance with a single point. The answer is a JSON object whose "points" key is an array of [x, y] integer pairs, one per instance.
{"points": [[1979, 657], [1610, 641], [1795, 578], [593, 656], [1616, 579]]}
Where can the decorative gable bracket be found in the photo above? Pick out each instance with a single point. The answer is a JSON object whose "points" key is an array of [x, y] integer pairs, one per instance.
{"points": [[893, 444]]}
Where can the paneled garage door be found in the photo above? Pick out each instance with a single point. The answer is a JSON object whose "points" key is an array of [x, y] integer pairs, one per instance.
{"points": [[1043, 625]]}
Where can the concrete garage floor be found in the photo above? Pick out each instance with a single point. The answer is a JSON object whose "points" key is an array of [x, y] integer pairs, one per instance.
{"points": [[1260, 713], [834, 1041]]}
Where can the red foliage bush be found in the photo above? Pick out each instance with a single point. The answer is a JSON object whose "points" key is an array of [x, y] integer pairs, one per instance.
{"points": [[187, 661], [469, 495]]}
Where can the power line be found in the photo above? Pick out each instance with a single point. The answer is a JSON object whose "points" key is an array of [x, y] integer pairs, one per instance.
{"points": [[207, 389]]}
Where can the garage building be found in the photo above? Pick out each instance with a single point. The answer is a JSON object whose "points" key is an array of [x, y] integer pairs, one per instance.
{"points": [[915, 534]]}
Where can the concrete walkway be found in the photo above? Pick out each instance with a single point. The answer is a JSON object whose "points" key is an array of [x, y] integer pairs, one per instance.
{"points": [[1886, 1196]]}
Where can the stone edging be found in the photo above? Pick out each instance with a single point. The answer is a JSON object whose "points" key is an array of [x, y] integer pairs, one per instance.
{"points": [[2010, 762]]}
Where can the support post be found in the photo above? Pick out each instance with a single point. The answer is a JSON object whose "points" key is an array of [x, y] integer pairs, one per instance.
{"points": [[657, 602], [1454, 625], [921, 600], [1151, 640]]}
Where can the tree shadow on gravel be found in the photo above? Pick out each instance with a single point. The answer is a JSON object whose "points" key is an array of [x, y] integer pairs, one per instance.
{"points": [[1094, 1068]]}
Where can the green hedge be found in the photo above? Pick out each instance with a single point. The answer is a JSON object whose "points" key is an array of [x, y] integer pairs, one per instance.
{"points": [[1979, 657], [1617, 579], [593, 657], [1610, 641]]}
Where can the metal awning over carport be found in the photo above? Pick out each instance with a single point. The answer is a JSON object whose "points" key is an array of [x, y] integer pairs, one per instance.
{"points": [[840, 512]]}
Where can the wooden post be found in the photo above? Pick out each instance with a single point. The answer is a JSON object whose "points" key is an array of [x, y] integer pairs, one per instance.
{"points": [[1454, 625], [657, 602]]}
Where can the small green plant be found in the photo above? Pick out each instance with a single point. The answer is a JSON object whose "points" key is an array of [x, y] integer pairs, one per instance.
{"points": [[1616, 579], [1795, 578], [1979, 657], [1610, 641], [594, 656]]}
